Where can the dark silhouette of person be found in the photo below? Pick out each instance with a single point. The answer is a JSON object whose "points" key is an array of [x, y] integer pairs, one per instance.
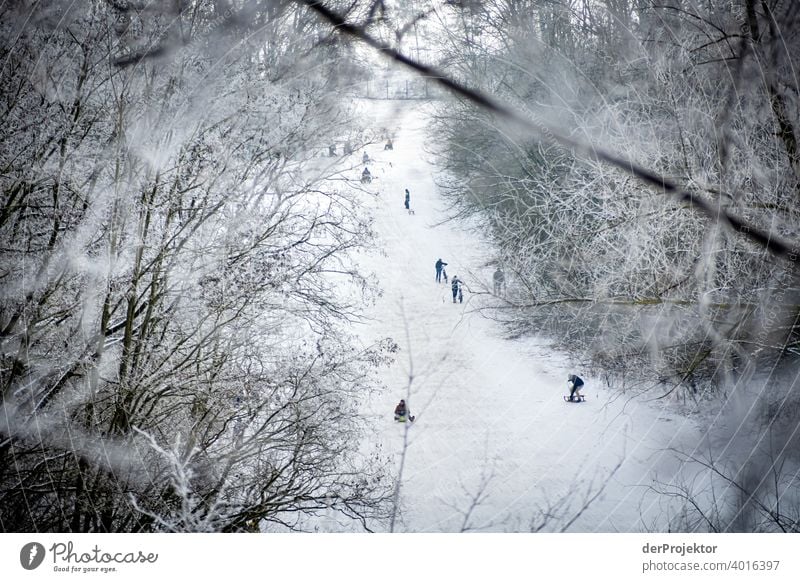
{"points": [[455, 286], [439, 268], [389, 145], [366, 177], [575, 384], [401, 412], [408, 199], [499, 281]]}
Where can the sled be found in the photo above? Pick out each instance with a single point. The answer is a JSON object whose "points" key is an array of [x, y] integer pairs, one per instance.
{"points": [[403, 418], [580, 398]]}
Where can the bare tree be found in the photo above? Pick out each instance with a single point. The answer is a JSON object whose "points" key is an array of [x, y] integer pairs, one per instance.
{"points": [[176, 281]]}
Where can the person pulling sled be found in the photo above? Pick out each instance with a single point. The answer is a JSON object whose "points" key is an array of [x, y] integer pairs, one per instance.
{"points": [[574, 383], [440, 264], [401, 413]]}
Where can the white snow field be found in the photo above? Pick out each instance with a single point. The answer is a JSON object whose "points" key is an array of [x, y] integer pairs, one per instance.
{"points": [[494, 446]]}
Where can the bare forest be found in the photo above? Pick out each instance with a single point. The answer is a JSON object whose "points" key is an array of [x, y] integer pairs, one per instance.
{"points": [[178, 274]]}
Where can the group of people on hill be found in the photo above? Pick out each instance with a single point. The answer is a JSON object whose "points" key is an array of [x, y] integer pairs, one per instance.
{"points": [[366, 175], [455, 284], [574, 383], [401, 411], [498, 277]]}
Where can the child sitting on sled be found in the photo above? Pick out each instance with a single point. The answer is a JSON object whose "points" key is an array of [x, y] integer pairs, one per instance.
{"points": [[401, 412]]}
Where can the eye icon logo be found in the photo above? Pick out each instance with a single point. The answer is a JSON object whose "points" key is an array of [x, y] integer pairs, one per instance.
{"points": [[31, 555]]}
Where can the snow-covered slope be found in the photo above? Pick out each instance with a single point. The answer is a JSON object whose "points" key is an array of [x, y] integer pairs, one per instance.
{"points": [[494, 446]]}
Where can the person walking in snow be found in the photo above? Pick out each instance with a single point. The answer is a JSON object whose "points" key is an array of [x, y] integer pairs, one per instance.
{"points": [[401, 412], [365, 158], [366, 176], [439, 268], [499, 281], [574, 383], [456, 288], [408, 200], [389, 145]]}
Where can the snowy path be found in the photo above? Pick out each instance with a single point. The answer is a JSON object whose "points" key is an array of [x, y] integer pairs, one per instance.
{"points": [[491, 422]]}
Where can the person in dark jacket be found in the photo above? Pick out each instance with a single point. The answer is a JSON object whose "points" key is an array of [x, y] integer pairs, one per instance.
{"points": [[408, 199], [440, 264], [401, 412], [366, 176], [365, 158], [499, 281], [455, 285], [575, 384]]}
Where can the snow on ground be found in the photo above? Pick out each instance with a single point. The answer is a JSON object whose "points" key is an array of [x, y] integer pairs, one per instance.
{"points": [[494, 446]]}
